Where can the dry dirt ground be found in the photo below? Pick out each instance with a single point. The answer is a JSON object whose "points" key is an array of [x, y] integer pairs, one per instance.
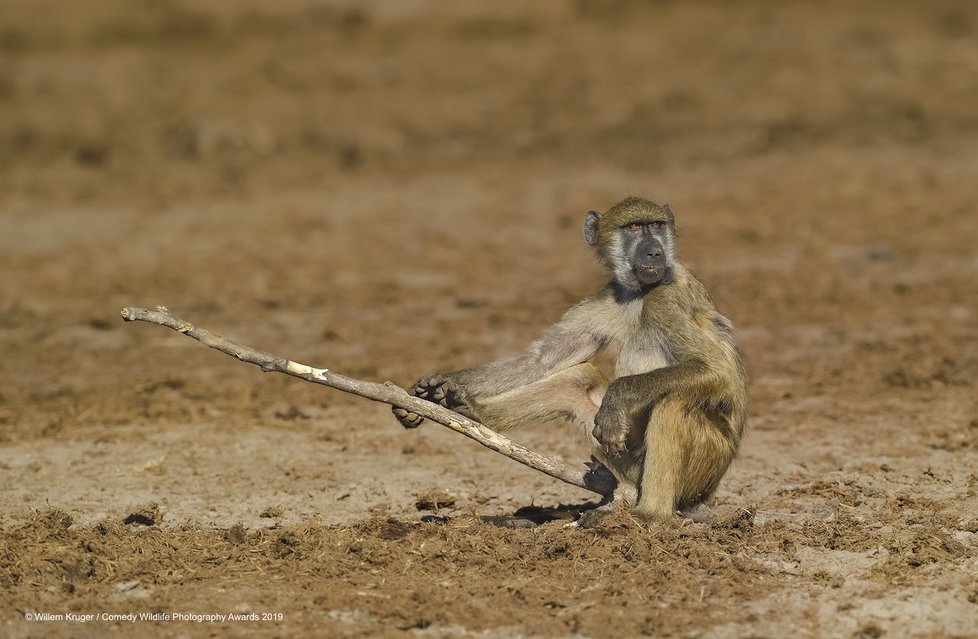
{"points": [[390, 188]]}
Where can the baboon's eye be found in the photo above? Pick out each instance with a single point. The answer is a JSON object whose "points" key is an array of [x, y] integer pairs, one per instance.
{"points": [[656, 225], [634, 227]]}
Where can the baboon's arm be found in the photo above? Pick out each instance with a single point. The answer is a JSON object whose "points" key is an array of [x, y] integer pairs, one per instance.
{"points": [[634, 395], [638, 393]]}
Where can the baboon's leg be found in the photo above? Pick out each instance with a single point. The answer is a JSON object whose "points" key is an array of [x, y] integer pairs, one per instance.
{"points": [[685, 457], [571, 395]]}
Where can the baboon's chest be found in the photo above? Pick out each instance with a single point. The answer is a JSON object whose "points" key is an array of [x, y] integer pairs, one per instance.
{"points": [[640, 348], [642, 353]]}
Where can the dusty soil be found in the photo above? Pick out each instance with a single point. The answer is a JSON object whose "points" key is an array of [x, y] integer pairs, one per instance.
{"points": [[391, 188]]}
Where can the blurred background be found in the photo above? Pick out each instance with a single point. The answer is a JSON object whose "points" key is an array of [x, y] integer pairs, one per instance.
{"points": [[394, 187], [391, 188]]}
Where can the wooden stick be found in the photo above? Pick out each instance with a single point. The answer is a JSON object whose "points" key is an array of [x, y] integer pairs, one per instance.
{"points": [[596, 479]]}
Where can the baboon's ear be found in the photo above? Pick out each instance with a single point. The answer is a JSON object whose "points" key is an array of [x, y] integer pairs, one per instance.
{"points": [[591, 227]]}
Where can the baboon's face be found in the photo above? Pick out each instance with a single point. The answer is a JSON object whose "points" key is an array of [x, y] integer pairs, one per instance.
{"points": [[643, 245], [635, 239]]}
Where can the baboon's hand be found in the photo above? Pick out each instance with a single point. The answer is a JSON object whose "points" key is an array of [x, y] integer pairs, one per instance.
{"points": [[611, 421], [611, 429]]}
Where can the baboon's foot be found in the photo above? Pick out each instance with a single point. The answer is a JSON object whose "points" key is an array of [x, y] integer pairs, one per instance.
{"points": [[593, 517], [437, 388], [700, 514], [407, 418], [441, 389]]}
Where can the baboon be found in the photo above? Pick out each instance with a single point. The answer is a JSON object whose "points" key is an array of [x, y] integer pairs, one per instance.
{"points": [[671, 420]]}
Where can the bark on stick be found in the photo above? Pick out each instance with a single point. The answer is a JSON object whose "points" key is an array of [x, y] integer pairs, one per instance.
{"points": [[599, 481]]}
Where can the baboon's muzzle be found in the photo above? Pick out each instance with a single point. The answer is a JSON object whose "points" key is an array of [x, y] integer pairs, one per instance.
{"points": [[650, 262]]}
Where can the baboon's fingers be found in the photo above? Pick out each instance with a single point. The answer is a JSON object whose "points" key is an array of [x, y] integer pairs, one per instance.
{"points": [[454, 393], [611, 438], [614, 449], [593, 518], [427, 387], [407, 418]]}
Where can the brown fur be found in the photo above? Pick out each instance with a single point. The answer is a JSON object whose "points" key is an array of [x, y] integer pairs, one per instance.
{"points": [[672, 419]]}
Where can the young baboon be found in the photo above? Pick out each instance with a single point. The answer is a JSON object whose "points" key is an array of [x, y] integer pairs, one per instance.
{"points": [[671, 420]]}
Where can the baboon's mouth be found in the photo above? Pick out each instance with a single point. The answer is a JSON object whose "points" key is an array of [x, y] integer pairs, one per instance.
{"points": [[649, 274]]}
